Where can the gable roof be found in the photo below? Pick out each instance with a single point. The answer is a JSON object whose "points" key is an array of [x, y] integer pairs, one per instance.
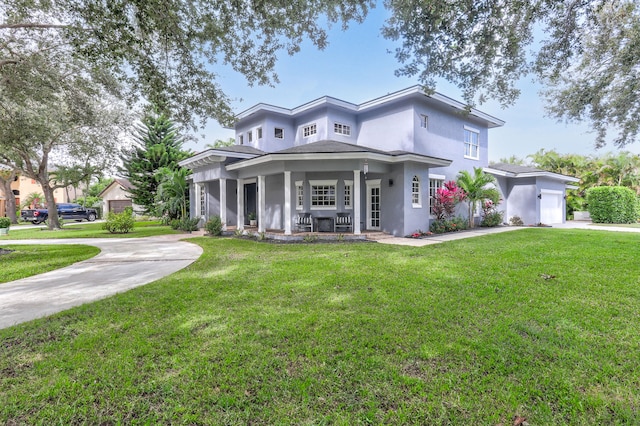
{"points": [[416, 92], [517, 171], [124, 183]]}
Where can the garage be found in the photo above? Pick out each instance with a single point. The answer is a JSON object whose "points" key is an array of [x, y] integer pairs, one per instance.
{"points": [[551, 207], [118, 206]]}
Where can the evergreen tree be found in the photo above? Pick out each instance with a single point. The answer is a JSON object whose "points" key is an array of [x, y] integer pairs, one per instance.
{"points": [[158, 146]]}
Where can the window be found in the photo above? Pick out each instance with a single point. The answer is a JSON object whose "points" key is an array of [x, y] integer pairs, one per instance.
{"points": [[202, 200], [259, 133], [341, 129], [348, 191], [416, 200], [241, 139], [434, 185], [249, 136], [278, 133], [323, 194], [309, 130], [299, 195], [471, 143], [424, 121]]}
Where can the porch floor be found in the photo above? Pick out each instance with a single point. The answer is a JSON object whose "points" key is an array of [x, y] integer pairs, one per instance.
{"points": [[278, 234]]}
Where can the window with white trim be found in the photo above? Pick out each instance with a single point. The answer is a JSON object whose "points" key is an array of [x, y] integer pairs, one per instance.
{"points": [[299, 195], [202, 200], [323, 194], [342, 129], [348, 194], [434, 185], [424, 121], [471, 143], [249, 136], [241, 139], [309, 130], [259, 133], [278, 133], [416, 199]]}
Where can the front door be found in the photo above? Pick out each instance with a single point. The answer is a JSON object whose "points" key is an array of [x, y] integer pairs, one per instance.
{"points": [[250, 200], [373, 204]]}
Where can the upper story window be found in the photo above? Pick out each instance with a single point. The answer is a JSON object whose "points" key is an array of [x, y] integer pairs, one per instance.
{"points": [[259, 133], [278, 133], [471, 143], [342, 129], [241, 139], [309, 130], [416, 199], [424, 121], [249, 136]]}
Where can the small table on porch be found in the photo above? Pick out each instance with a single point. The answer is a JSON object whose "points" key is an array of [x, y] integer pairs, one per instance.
{"points": [[324, 223]]}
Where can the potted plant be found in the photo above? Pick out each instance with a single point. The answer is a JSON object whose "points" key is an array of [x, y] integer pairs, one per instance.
{"points": [[5, 223], [252, 219]]}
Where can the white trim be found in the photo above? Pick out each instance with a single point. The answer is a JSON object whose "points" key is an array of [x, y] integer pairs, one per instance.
{"points": [[437, 177], [356, 202], [417, 205], [324, 182], [223, 203], [348, 183], [287, 203], [471, 129], [541, 173], [373, 183], [240, 203], [299, 184], [311, 126], [250, 180], [551, 191]]}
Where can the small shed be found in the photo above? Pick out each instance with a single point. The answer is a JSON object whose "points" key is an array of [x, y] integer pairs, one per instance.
{"points": [[116, 196], [535, 195]]}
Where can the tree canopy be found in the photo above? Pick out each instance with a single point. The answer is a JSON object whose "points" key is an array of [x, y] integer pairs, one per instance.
{"points": [[585, 52]]}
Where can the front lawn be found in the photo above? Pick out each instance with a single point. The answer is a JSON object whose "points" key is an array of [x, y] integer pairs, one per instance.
{"points": [[22, 261], [90, 230], [537, 323]]}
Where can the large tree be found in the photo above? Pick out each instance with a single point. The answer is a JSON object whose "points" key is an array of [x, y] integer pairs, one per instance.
{"points": [[157, 145], [55, 117], [169, 52], [7, 177], [587, 54]]}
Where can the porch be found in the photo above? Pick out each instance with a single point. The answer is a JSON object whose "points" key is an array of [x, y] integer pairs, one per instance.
{"points": [[279, 235]]}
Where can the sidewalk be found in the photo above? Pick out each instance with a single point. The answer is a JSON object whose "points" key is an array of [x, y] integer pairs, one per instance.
{"points": [[476, 232]]}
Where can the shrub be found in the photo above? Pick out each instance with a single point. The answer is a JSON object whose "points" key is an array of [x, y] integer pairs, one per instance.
{"points": [[5, 222], [516, 221], [612, 204], [446, 199], [188, 225], [120, 223], [492, 219], [449, 225], [214, 226]]}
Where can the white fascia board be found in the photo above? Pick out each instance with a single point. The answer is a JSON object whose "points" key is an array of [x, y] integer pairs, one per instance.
{"points": [[432, 161], [325, 100], [571, 187], [211, 156], [550, 175], [497, 172]]}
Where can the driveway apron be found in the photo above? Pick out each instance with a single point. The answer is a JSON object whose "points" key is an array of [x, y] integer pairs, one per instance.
{"points": [[121, 265]]}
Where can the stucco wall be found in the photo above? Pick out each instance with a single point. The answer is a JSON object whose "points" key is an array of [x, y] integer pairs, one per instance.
{"points": [[523, 200]]}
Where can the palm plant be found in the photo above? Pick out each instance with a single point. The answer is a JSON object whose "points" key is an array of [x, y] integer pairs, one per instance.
{"points": [[173, 192], [475, 187]]}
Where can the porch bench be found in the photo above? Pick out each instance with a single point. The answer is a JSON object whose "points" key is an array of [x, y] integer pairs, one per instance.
{"points": [[304, 222], [343, 222]]}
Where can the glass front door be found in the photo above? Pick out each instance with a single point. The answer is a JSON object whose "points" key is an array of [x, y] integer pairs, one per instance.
{"points": [[373, 205]]}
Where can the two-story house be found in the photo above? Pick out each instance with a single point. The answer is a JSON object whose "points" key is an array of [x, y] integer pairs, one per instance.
{"points": [[377, 163]]}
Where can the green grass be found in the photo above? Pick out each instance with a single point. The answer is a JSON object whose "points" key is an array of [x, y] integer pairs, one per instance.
{"points": [[620, 225], [466, 332], [28, 260], [90, 230]]}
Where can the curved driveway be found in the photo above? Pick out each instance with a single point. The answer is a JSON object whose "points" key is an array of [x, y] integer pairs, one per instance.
{"points": [[122, 264]]}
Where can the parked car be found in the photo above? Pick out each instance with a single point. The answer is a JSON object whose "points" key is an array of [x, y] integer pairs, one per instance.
{"points": [[65, 211]]}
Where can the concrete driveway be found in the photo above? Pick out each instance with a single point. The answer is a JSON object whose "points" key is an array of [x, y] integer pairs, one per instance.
{"points": [[122, 264]]}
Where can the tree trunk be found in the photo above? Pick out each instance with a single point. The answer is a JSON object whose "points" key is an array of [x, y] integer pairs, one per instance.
{"points": [[53, 220], [10, 206]]}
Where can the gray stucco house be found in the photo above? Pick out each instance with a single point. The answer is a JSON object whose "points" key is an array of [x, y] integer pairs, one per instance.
{"points": [[377, 163]]}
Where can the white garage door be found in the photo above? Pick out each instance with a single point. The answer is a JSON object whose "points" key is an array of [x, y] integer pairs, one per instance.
{"points": [[551, 210]]}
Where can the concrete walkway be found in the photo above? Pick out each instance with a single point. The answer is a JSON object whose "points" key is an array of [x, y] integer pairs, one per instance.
{"points": [[437, 239], [122, 264]]}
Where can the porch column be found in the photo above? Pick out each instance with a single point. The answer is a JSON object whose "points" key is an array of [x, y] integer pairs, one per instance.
{"points": [[197, 204], [287, 203], [356, 202], [240, 197], [223, 203], [261, 204]]}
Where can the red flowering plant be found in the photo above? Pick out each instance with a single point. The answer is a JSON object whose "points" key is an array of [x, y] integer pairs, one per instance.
{"points": [[446, 199]]}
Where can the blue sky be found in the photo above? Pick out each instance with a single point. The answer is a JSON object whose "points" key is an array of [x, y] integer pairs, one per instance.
{"points": [[358, 65]]}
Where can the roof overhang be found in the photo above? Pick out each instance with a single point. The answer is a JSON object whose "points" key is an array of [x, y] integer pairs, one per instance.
{"points": [[211, 156], [542, 173], [413, 91], [333, 156]]}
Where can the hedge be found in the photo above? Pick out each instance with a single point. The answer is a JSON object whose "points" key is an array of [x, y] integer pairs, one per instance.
{"points": [[612, 204]]}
